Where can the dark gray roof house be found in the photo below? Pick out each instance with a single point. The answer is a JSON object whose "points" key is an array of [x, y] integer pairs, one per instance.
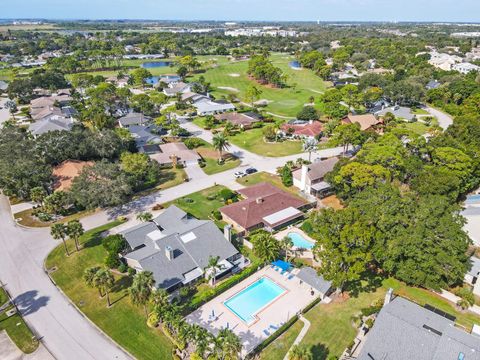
{"points": [[176, 248], [433, 84], [145, 134], [133, 119], [404, 330], [52, 123]]}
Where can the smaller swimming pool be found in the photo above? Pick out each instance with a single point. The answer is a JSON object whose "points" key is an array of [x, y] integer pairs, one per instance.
{"points": [[295, 64], [473, 199], [251, 300], [300, 242]]}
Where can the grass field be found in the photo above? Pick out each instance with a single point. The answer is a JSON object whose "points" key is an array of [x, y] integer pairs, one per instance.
{"points": [[27, 219], [211, 157], [277, 349], [266, 177], [231, 77], [16, 328], [123, 322], [252, 140], [200, 204]]}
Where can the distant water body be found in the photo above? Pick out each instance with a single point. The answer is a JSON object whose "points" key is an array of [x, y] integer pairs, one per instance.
{"points": [[155, 64]]}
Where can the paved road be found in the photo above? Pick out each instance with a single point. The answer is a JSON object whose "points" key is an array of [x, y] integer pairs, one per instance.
{"points": [[444, 120], [65, 332], [4, 112], [200, 182]]}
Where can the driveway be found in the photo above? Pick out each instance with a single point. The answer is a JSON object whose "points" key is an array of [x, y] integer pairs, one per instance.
{"points": [[9, 351], [4, 112], [64, 331], [444, 120]]}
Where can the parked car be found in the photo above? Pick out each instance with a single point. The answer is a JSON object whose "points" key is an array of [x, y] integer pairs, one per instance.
{"points": [[250, 171], [239, 174]]}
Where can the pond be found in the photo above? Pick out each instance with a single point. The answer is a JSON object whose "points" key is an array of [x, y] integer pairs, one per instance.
{"points": [[295, 64], [155, 64]]}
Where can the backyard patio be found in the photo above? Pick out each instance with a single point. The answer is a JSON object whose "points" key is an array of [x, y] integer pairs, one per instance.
{"points": [[284, 296]]}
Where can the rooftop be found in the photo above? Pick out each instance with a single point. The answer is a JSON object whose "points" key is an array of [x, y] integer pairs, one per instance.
{"points": [[366, 121]]}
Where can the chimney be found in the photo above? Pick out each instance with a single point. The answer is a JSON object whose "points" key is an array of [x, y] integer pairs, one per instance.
{"points": [[227, 232], [388, 297], [303, 178], [310, 122], [259, 200], [169, 252]]}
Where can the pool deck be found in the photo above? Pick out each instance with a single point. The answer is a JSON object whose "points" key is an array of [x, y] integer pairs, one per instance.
{"points": [[283, 308]]}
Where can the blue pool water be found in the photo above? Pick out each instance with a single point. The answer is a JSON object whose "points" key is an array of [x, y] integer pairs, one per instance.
{"points": [[299, 241], [473, 199], [155, 64], [295, 64], [153, 80], [252, 299]]}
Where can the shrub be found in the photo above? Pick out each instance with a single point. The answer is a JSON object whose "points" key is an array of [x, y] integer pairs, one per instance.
{"points": [[131, 271], [373, 309], [369, 323], [188, 200], [226, 194], [123, 268], [157, 207], [202, 164], [44, 217], [112, 261], [153, 320], [217, 215], [193, 143], [114, 244], [307, 226], [467, 295]]}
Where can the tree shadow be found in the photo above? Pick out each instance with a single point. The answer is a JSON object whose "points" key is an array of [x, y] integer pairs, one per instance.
{"points": [[166, 176], [93, 241], [370, 283], [29, 302], [122, 284], [319, 352]]}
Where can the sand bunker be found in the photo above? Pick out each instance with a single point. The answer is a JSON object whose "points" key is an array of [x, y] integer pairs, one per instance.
{"points": [[234, 75], [229, 88]]}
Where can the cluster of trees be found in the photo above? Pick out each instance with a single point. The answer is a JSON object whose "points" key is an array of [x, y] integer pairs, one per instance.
{"points": [[262, 70], [401, 213], [315, 61], [22, 88]]}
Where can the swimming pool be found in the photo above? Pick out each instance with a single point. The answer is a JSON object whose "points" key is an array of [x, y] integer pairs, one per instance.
{"points": [[300, 242], [248, 302], [473, 199]]}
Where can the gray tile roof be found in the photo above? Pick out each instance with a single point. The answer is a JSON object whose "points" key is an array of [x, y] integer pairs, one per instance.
{"points": [[133, 119], [193, 242], [404, 330], [50, 124], [135, 236], [310, 276]]}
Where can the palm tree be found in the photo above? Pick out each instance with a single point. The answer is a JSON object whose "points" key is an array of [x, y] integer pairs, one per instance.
{"points": [[287, 244], [89, 275], [220, 143], [12, 107], [227, 345], [200, 338], [300, 352], [160, 302], [104, 280], [310, 144], [141, 289], [145, 216], [59, 232], [212, 268], [265, 246], [74, 231]]}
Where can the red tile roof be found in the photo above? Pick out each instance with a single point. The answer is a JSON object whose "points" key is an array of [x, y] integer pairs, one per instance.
{"points": [[310, 129], [261, 200]]}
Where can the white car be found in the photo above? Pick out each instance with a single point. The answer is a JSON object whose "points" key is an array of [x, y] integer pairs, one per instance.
{"points": [[239, 174]]}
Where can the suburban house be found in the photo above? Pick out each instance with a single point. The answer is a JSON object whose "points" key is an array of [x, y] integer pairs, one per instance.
{"points": [[433, 84], [242, 120], [264, 206], [177, 87], [310, 178], [176, 248], [367, 122], [133, 118], [3, 85], [64, 173], [53, 123], [473, 275], [176, 153], [443, 61], [118, 82], [404, 330], [311, 277], [465, 67], [206, 106], [145, 134], [302, 129]]}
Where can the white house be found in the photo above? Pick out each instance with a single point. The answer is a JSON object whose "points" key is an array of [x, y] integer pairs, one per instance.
{"points": [[471, 277], [465, 67]]}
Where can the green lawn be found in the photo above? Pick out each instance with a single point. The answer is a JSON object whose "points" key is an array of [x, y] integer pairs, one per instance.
{"points": [[200, 204], [16, 328], [123, 322], [331, 328], [420, 112], [213, 167], [266, 177], [252, 140], [417, 127], [277, 349], [286, 102], [27, 219], [169, 177]]}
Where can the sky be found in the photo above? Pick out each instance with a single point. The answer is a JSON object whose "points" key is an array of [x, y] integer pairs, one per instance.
{"points": [[256, 10]]}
